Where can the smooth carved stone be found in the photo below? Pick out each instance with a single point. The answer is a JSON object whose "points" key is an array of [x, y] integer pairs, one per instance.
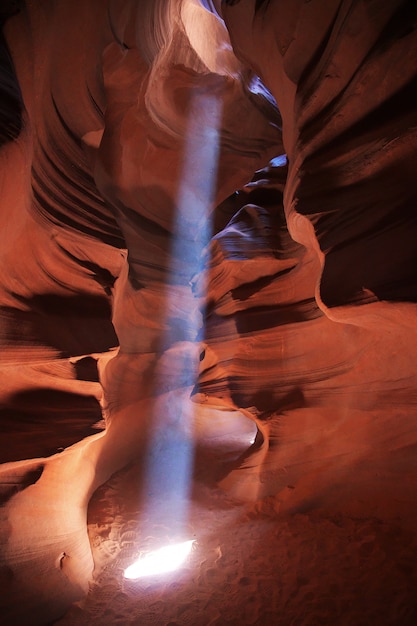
{"points": [[207, 228]]}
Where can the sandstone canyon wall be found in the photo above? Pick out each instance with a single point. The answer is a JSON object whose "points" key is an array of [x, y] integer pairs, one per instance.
{"points": [[203, 216]]}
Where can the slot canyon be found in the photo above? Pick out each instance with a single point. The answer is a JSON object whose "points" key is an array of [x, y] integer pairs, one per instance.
{"points": [[208, 312]]}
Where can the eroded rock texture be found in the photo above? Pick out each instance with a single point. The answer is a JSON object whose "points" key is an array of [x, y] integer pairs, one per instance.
{"points": [[200, 216]]}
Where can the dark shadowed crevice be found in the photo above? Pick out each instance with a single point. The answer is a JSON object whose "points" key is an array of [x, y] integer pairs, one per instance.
{"points": [[42, 422], [11, 103], [13, 483]]}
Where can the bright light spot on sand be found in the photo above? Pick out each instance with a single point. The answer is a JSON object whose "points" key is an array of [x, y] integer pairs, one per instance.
{"points": [[162, 561]]}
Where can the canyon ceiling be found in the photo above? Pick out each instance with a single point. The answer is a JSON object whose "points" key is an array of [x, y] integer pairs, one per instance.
{"points": [[206, 212]]}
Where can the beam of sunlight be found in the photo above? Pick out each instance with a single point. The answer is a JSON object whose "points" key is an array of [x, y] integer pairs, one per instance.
{"points": [[170, 456], [193, 230], [162, 561]]}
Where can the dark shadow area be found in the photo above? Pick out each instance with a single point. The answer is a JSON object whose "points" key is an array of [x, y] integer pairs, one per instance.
{"points": [[381, 262], [11, 104], [41, 422], [75, 325], [14, 483], [86, 369]]}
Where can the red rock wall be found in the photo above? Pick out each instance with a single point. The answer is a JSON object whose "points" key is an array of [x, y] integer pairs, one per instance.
{"points": [[133, 275]]}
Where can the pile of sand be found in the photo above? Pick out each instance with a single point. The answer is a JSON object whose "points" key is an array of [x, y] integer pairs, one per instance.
{"points": [[249, 565]]}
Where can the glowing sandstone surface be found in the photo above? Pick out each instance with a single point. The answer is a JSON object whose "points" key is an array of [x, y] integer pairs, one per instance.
{"points": [[207, 311]]}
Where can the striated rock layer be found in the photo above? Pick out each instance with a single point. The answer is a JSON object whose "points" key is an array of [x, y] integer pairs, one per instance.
{"points": [[207, 226]]}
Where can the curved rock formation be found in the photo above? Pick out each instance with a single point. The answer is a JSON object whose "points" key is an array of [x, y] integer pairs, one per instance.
{"points": [[207, 213], [348, 125]]}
